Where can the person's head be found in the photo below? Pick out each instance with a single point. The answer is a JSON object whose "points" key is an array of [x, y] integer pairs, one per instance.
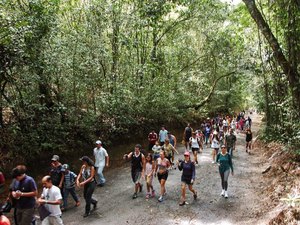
{"points": [[223, 149], [47, 181], [162, 154], [189, 125], [187, 156], [167, 141], [194, 134], [231, 131], [137, 148], [18, 172], [87, 161], [66, 168], [215, 133], [55, 161], [149, 158], [248, 130], [98, 143], [163, 127], [169, 134], [156, 143]]}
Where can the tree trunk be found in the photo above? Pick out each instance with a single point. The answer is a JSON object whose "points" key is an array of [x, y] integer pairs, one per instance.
{"points": [[288, 69]]}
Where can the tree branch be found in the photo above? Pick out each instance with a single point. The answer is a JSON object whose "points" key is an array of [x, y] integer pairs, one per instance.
{"points": [[208, 97]]}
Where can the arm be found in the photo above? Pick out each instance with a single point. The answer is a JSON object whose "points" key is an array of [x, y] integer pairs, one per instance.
{"points": [[193, 172], [127, 156], [107, 161], [61, 180], [78, 177], [175, 141], [90, 178], [174, 149], [144, 166], [230, 163]]}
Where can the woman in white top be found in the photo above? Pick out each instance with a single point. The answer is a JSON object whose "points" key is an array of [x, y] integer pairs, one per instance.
{"points": [[215, 145], [195, 145]]}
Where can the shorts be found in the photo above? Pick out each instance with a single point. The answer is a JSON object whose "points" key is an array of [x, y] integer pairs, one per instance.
{"points": [[156, 156], [187, 139], [163, 176], [186, 180], [195, 150], [169, 157], [136, 176]]}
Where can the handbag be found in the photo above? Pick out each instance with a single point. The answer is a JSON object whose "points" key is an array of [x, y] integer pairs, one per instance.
{"points": [[43, 212], [6, 207]]}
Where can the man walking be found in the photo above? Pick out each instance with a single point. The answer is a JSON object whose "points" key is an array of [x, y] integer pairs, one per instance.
{"points": [[101, 160], [24, 190], [230, 142], [51, 198]]}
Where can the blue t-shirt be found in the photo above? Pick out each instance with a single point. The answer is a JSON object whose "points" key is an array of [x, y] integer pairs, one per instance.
{"points": [[163, 134], [26, 185]]}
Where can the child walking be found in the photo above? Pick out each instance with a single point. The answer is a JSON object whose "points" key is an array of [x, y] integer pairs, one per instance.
{"points": [[69, 186], [149, 171]]}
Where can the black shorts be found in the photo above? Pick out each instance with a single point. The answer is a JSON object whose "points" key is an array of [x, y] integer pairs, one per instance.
{"points": [[186, 180], [163, 176], [187, 139], [195, 149], [136, 176]]}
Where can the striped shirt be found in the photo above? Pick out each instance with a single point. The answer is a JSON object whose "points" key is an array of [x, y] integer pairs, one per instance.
{"points": [[70, 179]]}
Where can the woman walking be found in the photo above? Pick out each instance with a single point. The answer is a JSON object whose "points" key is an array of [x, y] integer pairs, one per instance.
{"points": [[187, 177], [225, 164], [87, 173], [195, 144], [161, 169], [215, 145], [169, 151], [248, 140]]}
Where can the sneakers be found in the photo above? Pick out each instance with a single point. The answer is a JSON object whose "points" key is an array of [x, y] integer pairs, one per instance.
{"points": [[226, 194], [182, 203], [195, 195], [134, 196], [213, 162], [223, 192], [95, 205], [160, 199], [86, 214], [153, 193]]}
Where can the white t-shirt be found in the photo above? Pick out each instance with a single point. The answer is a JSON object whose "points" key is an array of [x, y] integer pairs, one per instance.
{"points": [[156, 149], [215, 143], [195, 143], [100, 154], [52, 194]]}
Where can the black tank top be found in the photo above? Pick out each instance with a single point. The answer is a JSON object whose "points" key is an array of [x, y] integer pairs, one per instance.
{"points": [[136, 162], [188, 132]]}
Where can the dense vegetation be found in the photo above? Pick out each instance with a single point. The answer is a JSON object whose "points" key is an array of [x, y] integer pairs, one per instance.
{"points": [[72, 70]]}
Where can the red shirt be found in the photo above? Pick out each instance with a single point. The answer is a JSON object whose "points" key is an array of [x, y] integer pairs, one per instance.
{"points": [[152, 137]]}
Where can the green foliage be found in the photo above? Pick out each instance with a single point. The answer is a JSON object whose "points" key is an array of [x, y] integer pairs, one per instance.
{"points": [[78, 70]]}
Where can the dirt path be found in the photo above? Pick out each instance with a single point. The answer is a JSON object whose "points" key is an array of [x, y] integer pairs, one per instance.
{"points": [[242, 207]]}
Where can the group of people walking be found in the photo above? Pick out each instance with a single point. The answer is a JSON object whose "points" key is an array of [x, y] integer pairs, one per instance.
{"points": [[219, 133], [57, 185]]}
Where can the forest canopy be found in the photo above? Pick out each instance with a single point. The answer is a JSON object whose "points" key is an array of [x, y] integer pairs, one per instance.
{"points": [[73, 70]]}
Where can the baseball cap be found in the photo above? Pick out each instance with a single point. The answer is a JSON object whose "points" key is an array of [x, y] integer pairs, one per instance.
{"points": [[55, 158], [98, 142], [223, 146], [65, 166], [186, 154]]}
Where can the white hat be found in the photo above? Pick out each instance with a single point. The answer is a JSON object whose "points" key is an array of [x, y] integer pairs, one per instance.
{"points": [[98, 142]]}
